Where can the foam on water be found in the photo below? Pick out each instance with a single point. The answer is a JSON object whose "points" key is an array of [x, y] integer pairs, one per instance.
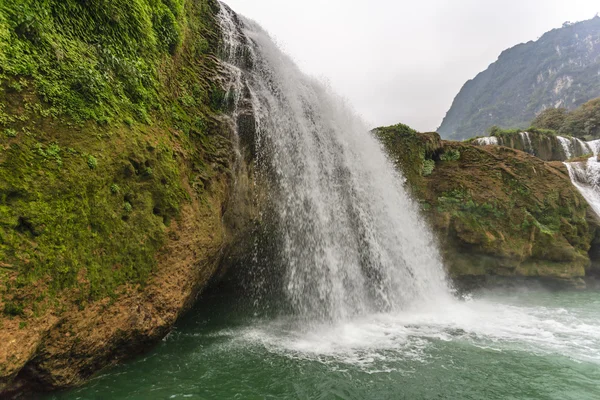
{"points": [[368, 340]]}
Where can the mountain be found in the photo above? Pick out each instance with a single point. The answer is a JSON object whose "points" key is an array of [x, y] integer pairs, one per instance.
{"points": [[561, 69]]}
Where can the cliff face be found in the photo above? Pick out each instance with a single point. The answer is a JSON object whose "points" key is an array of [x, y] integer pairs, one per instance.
{"points": [[558, 70], [545, 145], [497, 211], [116, 167]]}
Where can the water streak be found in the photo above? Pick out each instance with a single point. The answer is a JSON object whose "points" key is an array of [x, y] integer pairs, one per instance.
{"points": [[586, 175], [566, 146], [527, 145]]}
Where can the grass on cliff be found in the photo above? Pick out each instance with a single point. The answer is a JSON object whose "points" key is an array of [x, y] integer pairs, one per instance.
{"points": [[107, 125]]}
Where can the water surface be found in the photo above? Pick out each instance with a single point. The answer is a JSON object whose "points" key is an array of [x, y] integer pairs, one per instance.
{"points": [[522, 344]]}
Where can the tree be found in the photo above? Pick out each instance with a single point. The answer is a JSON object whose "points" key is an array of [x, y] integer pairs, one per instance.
{"points": [[550, 118]]}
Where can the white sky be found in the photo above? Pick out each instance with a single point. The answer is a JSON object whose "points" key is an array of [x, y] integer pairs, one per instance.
{"points": [[404, 61]]}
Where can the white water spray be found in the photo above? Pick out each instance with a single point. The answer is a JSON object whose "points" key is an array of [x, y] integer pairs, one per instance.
{"points": [[566, 146], [351, 239], [526, 139], [487, 141], [586, 176]]}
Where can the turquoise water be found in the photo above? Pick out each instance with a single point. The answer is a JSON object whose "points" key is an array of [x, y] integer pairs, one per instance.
{"points": [[522, 344]]}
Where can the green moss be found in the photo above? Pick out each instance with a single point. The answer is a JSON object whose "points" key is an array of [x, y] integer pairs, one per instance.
{"points": [[411, 151], [11, 133], [450, 155], [92, 162], [85, 201], [495, 208], [428, 167], [90, 60]]}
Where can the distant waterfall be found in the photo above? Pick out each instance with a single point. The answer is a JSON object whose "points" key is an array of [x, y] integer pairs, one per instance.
{"points": [[574, 147], [349, 239], [527, 145], [487, 141], [586, 176]]}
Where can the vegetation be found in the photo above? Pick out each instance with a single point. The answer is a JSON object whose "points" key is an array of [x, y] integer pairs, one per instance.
{"points": [[551, 118], [108, 119], [583, 122], [417, 160], [496, 211]]}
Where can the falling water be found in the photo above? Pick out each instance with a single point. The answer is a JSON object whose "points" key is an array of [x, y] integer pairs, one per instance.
{"points": [[586, 176], [350, 239], [487, 141], [566, 146], [526, 139]]}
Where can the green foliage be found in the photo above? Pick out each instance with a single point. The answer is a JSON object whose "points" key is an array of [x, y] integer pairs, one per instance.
{"points": [[83, 237], [11, 133], [460, 202], [583, 121], [551, 118], [450, 155], [50, 153], [92, 59], [73, 65], [92, 162], [413, 152], [428, 167]]}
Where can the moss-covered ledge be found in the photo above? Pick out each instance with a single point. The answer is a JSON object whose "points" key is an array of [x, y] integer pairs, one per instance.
{"points": [[497, 211]]}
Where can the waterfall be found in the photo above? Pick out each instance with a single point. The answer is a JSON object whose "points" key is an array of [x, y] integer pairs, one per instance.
{"points": [[487, 141], [527, 145], [566, 146], [586, 176], [347, 237], [574, 147]]}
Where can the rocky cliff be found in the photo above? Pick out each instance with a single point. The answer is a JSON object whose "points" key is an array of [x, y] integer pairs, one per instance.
{"points": [[558, 70], [116, 168], [497, 211]]}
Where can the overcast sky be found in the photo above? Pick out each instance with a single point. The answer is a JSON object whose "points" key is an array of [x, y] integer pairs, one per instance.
{"points": [[404, 61]]}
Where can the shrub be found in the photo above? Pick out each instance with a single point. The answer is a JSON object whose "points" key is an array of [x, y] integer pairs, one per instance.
{"points": [[13, 309], [10, 133], [92, 162], [450, 155], [428, 167]]}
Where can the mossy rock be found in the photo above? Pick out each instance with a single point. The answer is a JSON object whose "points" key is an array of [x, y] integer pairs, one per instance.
{"points": [[115, 171], [497, 210]]}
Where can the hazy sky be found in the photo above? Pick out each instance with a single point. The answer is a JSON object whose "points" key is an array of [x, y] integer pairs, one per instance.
{"points": [[404, 61]]}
